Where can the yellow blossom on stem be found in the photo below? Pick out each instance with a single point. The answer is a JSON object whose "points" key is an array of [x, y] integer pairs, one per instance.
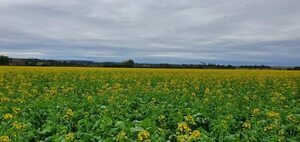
{"points": [[19, 126], [195, 135], [8, 116], [272, 114], [69, 113], [291, 118], [89, 98], [16, 110], [246, 125], [4, 139], [121, 136], [183, 127], [182, 138], [70, 136], [143, 135], [190, 119], [255, 111], [161, 118]]}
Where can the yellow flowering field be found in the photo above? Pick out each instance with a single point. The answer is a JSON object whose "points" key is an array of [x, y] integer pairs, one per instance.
{"points": [[158, 105]]}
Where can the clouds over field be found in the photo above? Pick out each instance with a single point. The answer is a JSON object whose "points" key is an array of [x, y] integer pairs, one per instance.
{"points": [[172, 31]]}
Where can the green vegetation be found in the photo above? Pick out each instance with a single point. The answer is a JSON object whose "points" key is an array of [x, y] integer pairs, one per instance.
{"points": [[102, 104]]}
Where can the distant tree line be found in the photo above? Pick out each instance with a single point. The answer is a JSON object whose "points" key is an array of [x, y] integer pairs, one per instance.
{"points": [[295, 68], [4, 60], [191, 66], [255, 67]]}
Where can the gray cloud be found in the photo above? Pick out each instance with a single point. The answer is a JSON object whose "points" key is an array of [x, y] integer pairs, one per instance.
{"points": [[169, 31]]}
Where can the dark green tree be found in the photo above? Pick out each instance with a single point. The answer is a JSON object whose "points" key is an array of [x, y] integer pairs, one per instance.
{"points": [[128, 63], [4, 60]]}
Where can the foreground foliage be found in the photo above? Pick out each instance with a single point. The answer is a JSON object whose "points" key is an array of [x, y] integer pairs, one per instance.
{"points": [[95, 104]]}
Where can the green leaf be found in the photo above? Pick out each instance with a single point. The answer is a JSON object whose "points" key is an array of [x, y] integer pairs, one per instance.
{"points": [[46, 130], [107, 121], [136, 129], [120, 124]]}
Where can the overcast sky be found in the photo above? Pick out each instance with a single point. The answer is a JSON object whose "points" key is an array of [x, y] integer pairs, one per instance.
{"points": [[153, 31]]}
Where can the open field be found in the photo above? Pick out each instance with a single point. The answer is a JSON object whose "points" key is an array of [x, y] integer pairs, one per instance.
{"points": [[102, 104]]}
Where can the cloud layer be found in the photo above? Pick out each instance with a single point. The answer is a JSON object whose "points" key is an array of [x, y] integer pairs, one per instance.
{"points": [[169, 31]]}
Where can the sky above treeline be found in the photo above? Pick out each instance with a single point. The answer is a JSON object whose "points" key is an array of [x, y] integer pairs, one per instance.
{"points": [[237, 32]]}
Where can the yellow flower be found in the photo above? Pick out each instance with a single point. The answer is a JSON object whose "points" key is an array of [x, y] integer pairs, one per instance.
{"points": [[4, 139], [19, 125], [143, 135], [255, 111], [8, 116], [269, 128], [272, 114], [194, 94], [290, 117], [89, 98], [121, 136], [183, 127], [161, 118], [246, 125], [195, 135], [183, 138], [229, 117], [70, 113], [206, 90], [70, 136], [281, 132], [16, 110], [224, 124], [190, 119]]}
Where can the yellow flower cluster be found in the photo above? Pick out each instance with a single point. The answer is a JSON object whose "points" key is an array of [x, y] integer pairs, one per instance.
{"points": [[183, 127], [5, 99], [4, 139], [272, 114], [195, 135], [161, 118], [291, 118], [182, 138], [143, 135], [270, 127], [190, 119], [185, 133], [121, 136], [193, 94], [224, 124], [70, 136], [277, 97], [188, 137], [8, 116], [16, 110], [281, 133], [206, 90], [19, 126], [255, 111], [69, 113], [246, 125], [89, 98]]}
